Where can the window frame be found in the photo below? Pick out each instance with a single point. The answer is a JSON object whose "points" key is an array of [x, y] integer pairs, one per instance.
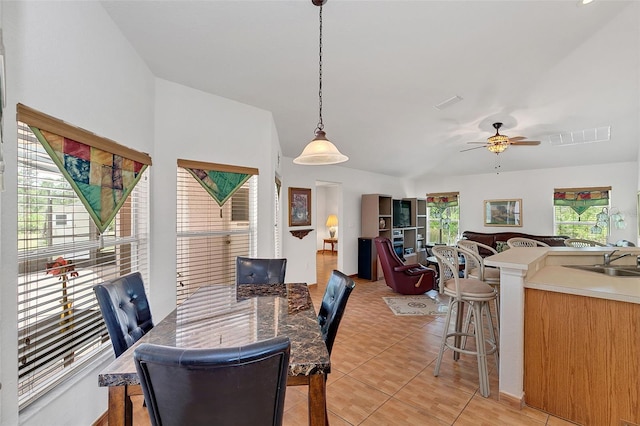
{"points": [[204, 227], [578, 221], [46, 359]]}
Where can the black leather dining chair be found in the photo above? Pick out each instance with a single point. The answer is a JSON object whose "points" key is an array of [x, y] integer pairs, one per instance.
{"points": [[260, 271], [334, 301], [223, 386], [125, 310]]}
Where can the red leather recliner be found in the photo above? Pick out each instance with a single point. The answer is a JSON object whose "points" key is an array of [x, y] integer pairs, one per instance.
{"points": [[403, 279]]}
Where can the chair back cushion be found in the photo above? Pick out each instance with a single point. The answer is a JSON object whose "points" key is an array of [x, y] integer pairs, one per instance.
{"points": [[388, 259], [260, 271], [222, 386], [334, 301], [403, 279], [125, 310]]}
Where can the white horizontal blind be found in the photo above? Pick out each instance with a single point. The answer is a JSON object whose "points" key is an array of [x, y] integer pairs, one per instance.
{"points": [[61, 331], [210, 237], [277, 220]]}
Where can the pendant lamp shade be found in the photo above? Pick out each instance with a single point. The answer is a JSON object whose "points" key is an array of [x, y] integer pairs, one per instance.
{"points": [[320, 151]]}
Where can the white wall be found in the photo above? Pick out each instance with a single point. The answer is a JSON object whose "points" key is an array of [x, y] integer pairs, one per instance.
{"points": [[194, 125], [68, 60], [300, 253], [535, 188]]}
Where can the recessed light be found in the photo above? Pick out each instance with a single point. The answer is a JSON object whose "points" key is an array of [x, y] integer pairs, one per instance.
{"points": [[583, 2]]}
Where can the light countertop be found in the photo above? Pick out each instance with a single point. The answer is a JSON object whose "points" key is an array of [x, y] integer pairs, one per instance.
{"points": [[544, 271]]}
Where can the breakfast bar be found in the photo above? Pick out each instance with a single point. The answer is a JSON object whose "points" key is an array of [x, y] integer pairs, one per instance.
{"points": [[566, 333]]}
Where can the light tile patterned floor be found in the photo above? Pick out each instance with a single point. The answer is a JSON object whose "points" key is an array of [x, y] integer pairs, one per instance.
{"points": [[382, 371]]}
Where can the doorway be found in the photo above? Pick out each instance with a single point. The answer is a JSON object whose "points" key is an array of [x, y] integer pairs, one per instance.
{"points": [[328, 202]]}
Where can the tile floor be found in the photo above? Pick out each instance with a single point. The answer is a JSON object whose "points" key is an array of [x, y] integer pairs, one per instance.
{"points": [[382, 371]]}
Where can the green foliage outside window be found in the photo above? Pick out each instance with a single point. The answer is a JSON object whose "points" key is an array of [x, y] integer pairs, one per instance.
{"points": [[36, 200], [444, 225], [568, 222]]}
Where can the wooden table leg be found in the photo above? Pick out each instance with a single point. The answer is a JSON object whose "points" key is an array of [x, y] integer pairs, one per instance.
{"points": [[317, 400], [120, 407]]}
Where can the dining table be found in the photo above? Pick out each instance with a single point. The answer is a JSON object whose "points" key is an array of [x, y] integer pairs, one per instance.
{"points": [[224, 315]]}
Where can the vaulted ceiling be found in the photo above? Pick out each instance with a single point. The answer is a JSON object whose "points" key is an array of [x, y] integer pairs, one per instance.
{"points": [[543, 68]]}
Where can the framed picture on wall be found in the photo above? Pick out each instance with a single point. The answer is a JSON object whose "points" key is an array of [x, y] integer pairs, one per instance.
{"points": [[503, 212], [299, 206]]}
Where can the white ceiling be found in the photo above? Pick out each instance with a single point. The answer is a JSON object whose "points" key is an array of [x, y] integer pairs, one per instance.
{"points": [[540, 67]]}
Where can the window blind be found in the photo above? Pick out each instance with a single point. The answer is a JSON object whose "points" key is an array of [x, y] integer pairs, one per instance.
{"points": [[277, 219], [442, 200], [60, 326], [580, 199], [208, 237]]}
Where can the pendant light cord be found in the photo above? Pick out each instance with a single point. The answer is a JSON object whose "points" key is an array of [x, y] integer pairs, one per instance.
{"points": [[320, 123]]}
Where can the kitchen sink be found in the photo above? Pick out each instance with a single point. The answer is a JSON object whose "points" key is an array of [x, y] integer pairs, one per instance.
{"points": [[613, 270]]}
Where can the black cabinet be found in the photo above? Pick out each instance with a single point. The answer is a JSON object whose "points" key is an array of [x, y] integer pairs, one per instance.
{"points": [[367, 259]]}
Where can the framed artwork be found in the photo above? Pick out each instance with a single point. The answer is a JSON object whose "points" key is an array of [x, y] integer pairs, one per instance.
{"points": [[503, 212], [299, 206]]}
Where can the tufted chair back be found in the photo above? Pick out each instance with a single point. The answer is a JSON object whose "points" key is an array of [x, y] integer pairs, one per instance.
{"points": [[243, 385], [260, 271], [334, 301], [125, 310]]}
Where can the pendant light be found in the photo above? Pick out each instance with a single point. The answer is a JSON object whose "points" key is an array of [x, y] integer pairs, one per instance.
{"points": [[320, 151]]}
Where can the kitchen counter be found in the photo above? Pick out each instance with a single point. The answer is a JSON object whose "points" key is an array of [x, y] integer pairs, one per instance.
{"points": [[584, 283], [540, 268]]}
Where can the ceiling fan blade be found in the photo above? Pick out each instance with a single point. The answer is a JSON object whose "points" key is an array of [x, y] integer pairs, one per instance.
{"points": [[526, 143], [483, 143], [517, 138], [469, 149]]}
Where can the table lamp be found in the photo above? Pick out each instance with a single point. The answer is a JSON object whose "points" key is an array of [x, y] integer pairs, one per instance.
{"points": [[332, 222]]}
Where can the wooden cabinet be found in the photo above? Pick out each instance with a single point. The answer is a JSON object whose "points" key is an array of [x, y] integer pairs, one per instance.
{"points": [[376, 215], [419, 221], [581, 357], [377, 221]]}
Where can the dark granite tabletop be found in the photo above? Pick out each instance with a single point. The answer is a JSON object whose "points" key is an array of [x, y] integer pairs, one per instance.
{"points": [[230, 315]]}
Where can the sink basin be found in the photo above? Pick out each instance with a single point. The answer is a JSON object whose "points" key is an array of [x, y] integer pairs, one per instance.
{"points": [[613, 270]]}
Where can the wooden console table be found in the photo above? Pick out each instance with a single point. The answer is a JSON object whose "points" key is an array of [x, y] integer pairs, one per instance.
{"points": [[333, 242]]}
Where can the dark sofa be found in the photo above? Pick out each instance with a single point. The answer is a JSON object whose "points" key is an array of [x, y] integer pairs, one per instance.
{"points": [[492, 238]]}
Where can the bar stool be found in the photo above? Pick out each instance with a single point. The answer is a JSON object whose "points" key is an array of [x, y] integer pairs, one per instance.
{"points": [[474, 267], [477, 295]]}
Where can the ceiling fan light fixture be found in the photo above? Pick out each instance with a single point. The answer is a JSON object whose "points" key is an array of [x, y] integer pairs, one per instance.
{"points": [[498, 143], [498, 147], [498, 139], [320, 151]]}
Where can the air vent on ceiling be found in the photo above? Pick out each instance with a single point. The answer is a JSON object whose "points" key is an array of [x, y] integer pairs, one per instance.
{"points": [[446, 104], [598, 134]]}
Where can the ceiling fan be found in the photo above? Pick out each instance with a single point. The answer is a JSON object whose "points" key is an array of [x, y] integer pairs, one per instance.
{"points": [[498, 143]]}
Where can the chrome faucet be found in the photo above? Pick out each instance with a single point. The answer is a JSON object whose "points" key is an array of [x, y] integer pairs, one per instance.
{"points": [[608, 259]]}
